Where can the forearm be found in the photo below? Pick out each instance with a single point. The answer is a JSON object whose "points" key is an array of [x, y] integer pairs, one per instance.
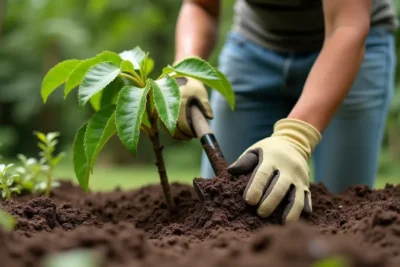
{"points": [[330, 78], [196, 30]]}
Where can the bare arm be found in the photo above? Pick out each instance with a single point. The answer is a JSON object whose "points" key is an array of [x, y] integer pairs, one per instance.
{"points": [[347, 25], [197, 28]]}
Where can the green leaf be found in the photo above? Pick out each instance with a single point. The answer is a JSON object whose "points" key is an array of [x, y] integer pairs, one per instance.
{"points": [[127, 66], [57, 76], [15, 190], [42, 146], [95, 100], [131, 105], [14, 176], [145, 120], [55, 161], [167, 101], [110, 93], [201, 70], [81, 166], [41, 136], [77, 75], [149, 65], [135, 56], [7, 221], [143, 67], [52, 136], [100, 129], [223, 87], [194, 67], [98, 77]]}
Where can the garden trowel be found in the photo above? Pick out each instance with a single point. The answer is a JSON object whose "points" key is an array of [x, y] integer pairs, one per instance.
{"points": [[209, 143]]}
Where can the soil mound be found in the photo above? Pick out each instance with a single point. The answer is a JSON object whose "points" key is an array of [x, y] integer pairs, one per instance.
{"points": [[134, 228]]}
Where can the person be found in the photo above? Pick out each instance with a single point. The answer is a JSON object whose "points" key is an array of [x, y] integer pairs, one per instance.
{"points": [[311, 78]]}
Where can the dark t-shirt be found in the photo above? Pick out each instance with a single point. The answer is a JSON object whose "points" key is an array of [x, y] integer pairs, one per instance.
{"points": [[296, 25]]}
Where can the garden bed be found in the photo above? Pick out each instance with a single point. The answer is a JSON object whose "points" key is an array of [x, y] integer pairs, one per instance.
{"points": [[134, 228]]}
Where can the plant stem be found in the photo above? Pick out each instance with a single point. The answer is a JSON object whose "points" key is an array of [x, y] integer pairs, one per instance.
{"points": [[138, 81], [8, 195], [138, 78], [157, 147], [5, 186], [48, 186]]}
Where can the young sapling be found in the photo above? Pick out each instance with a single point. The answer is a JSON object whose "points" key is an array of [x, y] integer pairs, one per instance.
{"points": [[127, 102], [7, 179], [47, 144], [31, 174]]}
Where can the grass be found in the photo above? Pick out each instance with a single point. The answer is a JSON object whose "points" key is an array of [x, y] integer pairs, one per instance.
{"points": [[181, 167], [107, 178]]}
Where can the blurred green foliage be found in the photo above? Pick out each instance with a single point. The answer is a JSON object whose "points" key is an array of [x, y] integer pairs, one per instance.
{"points": [[7, 221], [73, 258], [37, 34]]}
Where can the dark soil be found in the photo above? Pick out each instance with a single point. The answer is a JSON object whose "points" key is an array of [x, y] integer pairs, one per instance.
{"points": [[134, 228]]}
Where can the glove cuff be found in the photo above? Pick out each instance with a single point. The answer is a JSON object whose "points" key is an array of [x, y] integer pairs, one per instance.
{"points": [[303, 135]]}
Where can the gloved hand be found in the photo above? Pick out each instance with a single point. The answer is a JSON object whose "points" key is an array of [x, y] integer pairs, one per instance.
{"points": [[193, 92], [280, 169]]}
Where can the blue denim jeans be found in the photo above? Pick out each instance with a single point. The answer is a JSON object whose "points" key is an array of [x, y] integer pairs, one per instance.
{"points": [[267, 85]]}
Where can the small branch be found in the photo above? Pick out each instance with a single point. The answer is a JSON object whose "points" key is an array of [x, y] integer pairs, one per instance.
{"points": [[148, 130], [7, 190], [138, 78], [157, 147], [138, 82], [172, 74]]}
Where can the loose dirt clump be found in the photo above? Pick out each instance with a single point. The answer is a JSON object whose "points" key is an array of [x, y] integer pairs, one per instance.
{"points": [[135, 228]]}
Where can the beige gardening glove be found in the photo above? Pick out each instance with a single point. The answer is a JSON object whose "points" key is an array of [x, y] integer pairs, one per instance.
{"points": [[193, 92], [280, 170]]}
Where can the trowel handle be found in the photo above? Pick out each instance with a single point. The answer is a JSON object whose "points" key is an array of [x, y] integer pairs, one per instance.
{"points": [[205, 134], [199, 122]]}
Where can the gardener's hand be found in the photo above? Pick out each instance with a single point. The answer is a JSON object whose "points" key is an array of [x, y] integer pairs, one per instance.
{"points": [[193, 92], [280, 169]]}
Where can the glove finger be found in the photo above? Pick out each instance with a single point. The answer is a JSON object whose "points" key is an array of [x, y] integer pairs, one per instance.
{"points": [[307, 210], [260, 179], [179, 135], [244, 164], [295, 206], [207, 110], [274, 194]]}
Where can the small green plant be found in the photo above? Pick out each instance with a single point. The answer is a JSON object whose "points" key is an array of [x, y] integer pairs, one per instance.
{"points": [[48, 161], [7, 181], [127, 102], [33, 175]]}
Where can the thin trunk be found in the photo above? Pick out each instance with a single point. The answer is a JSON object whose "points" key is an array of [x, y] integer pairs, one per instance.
{"points": [[157, 147], [8, 194], [48, 184]]}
